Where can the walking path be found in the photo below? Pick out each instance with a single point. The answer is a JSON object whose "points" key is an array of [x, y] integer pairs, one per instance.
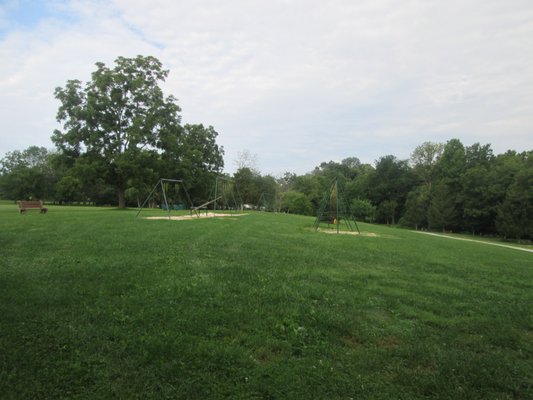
{"points": [[475, 241]]}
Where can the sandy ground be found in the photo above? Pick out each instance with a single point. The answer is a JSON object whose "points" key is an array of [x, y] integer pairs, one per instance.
{"points": [[195, 216], [334, 231]]}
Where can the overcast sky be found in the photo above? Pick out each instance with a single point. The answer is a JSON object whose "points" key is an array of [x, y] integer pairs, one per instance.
{"points": [[295, 82]]}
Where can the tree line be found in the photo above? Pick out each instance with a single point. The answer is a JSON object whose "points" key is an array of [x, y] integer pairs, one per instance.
{"points": [[120, 134], [442, 187]]}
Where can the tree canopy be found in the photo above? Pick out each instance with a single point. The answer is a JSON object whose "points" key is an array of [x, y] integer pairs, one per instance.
{"points": [[120, 122]]}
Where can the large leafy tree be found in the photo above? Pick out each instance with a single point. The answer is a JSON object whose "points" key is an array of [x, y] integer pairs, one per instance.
{"points": [[196, 158], [116, 118]]}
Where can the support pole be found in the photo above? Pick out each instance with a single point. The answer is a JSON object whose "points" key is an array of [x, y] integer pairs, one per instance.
{"points": [[216, 194], [338, 206], [337, 201], [148, 198], [165, 198]]}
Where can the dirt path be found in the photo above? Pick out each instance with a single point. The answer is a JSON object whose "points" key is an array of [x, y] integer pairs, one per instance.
{"points": [[475, 241]]}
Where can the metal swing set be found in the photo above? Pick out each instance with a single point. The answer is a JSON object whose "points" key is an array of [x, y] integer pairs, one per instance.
{"points": [[164, 184]]}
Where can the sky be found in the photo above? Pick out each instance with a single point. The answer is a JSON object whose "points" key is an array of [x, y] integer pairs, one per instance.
{"points": [[292, 82]]}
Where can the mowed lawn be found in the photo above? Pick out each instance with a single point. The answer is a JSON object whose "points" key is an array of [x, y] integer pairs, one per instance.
{"points": [[95, 304]]}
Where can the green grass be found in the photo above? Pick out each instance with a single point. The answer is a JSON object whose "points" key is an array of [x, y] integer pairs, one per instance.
{"points": [[95, 303]]}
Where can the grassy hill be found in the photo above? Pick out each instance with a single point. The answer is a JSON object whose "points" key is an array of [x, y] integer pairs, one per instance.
{"points": [[95, 303]]}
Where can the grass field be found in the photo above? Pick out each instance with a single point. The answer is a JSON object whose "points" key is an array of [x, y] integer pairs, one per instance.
{"points": [[95, 303]]}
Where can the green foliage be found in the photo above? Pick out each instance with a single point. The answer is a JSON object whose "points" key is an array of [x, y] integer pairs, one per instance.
{"points": [[269, 193], [416, 208], [515, 214], [195, 158], [363, 210], [27, 174], [97, 304], [120, 122], [424, 158], [249, 185], [296, 203], [389, 184], [313, 187], [386, 211], [69, 189], [442, 212], [445, 186], [260, 192]]}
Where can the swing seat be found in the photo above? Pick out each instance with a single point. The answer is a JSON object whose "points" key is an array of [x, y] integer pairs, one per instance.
{"points": [[176, 207]]}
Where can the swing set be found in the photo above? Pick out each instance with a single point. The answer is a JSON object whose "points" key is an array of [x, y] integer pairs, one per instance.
{"points": [[172, 197], [225, 195], [334, 209]]}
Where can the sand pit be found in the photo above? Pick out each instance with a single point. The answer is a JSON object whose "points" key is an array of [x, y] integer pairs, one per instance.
{"points": [[334, 231], [196, 216]]}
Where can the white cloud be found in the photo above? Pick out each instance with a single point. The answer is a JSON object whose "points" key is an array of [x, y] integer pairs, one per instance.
{"points": [[297, 82]]}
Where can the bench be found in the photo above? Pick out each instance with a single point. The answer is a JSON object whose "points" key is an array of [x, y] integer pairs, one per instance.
{"points": [[25, 205]]}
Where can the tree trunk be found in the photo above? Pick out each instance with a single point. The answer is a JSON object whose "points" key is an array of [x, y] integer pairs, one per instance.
{"points": [[121, 198]]}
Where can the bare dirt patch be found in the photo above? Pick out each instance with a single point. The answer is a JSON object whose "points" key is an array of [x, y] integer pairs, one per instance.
{"points": [[196, 216], [355, 233]]}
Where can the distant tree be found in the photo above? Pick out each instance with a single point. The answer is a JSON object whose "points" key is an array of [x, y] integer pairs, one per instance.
{"points": [[363, 209], [328, 171], [478, 199], [117, 116], [386, 211], [478, 155], [296, 203], [416, 208], [351, 164], [196, 158], [504, 169], [27, 174], [69, 189], [361, 185], [270, 193], [286, 181], [442, 213], [448, 174], [94, 188], [313, 186], [389, 184], [515, 214], [249, 185], [479, 208], [247, 159], [424, 158], [451, 164]]}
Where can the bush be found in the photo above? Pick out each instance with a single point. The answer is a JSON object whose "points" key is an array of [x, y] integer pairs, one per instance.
{"points": [[296, 203]]}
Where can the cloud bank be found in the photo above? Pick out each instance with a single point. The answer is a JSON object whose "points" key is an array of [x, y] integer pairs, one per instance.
{"points": [[296, 82]]}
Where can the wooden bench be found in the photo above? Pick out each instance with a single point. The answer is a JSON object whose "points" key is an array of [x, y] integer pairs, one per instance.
{"points": [[25, 205]]}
